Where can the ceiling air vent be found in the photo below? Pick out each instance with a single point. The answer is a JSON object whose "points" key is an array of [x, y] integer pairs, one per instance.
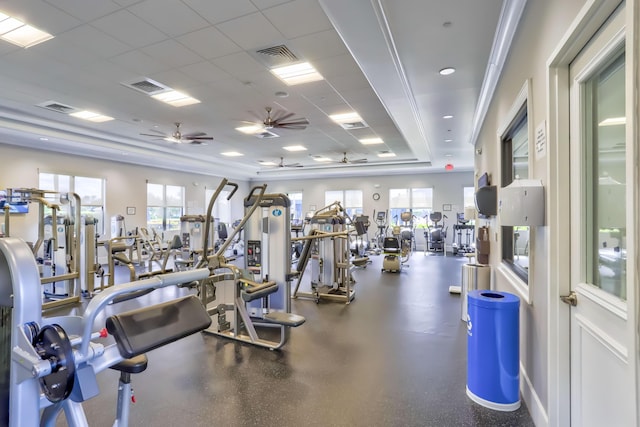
{"points": [[274, 56], [354, 125], [265, 134], [145, 85], [58, 107]]}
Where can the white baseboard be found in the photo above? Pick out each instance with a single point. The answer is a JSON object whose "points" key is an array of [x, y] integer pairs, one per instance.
{"points": [[536, 409]]}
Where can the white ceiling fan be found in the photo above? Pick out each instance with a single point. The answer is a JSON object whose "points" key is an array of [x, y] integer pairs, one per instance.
{"points": [[346, 161], [282, 164], [177, 137]]}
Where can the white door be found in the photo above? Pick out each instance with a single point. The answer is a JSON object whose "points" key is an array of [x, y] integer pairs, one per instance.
{"points": [[602, 336]]}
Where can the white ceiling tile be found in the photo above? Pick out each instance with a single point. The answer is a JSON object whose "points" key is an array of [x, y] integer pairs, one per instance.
{"points": [[251, 31], [169, 16], [129, 29], [86, 10], [265, 4], [58, 50], [318, 45], [209, 43], [176, 80], [98, 42], [204, 72], [240, 65], [172, 53], [139, 63], [39, 14], [298, 18], [220, 11]]}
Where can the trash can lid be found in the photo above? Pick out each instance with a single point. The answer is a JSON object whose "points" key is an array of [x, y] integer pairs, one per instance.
{"points": [[493, 299]]}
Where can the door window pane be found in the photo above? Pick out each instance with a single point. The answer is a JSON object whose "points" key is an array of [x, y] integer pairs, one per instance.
{"points": [[605, 178]]}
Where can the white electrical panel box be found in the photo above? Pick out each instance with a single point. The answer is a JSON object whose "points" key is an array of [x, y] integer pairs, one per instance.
{"points": [[522, 203]]}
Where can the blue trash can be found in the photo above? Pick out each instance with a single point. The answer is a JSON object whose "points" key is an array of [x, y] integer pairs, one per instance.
{"points": [[493, 356]]}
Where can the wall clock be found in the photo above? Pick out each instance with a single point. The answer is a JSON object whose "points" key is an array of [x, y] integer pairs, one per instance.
{"points": [[376, 196]]}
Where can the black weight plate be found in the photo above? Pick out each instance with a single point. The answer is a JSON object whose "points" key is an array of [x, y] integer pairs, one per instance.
{"points": [[52, 344]]}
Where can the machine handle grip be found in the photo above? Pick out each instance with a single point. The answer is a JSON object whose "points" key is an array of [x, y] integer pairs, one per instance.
{"points": [[235, 188]]}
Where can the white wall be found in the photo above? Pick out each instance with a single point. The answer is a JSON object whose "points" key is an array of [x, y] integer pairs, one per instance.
{"points": [[125, 185], [542, 26]]}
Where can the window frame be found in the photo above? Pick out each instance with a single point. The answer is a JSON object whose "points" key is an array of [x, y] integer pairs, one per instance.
{"points": [[519, 114], [72, 184], [165, 207]]}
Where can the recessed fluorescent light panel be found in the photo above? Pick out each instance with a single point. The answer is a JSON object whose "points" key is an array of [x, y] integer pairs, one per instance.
{"points": [[175, 98], [17, 32], [249, 129], [297, 74], [349, 121], [295, 148], [264, 163], [386, 154], [371, 141], [613, 121], [322, 159], [91, 116], [448, 116], [232, 154]]}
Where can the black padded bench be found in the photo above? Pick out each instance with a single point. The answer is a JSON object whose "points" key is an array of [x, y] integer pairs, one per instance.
{"points": [[142, 330]]}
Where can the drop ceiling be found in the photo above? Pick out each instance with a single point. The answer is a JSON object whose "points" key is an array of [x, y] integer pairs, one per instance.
{"points": [[378, 58]]}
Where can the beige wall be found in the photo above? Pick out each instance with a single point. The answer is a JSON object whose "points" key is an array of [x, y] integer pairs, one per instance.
{"points": [[543, 24], [125, 185]]}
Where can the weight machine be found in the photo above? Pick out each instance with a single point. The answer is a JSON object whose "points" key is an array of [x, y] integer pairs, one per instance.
{"points": [[327, 248], [51, 363], [435, 234], [57, 247], [260, 296]]}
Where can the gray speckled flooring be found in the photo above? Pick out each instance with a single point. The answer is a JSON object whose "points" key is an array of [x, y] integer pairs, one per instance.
{"points": [[396, 356]]}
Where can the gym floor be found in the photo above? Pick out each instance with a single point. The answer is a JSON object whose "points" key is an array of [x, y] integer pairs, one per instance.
{"points": [[395, 356]]}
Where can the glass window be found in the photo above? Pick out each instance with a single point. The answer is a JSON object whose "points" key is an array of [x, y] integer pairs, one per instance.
{"points": [[469, 197], [221, 207], [165, 206], [296, 204], [605, 180], [418, 201], [515, 165], [332, 196], [90, 190]]}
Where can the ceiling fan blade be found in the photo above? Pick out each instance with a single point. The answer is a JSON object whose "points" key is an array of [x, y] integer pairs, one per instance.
{"points": [[293, 165], [359, 161], [195, 138], [281, 115], [196, 142], [193, 134], [294, 122], [292, 127]]}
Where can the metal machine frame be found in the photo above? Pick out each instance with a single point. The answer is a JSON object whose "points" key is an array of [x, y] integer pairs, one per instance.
{"points": [[261, 291], [52, 363]]}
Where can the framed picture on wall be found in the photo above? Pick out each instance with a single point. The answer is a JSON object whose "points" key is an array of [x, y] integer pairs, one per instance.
{"points": [[446, 207], [131, 210]]}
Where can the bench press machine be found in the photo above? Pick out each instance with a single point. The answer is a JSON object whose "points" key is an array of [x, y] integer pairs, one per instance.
{"points": [[51, 363]]}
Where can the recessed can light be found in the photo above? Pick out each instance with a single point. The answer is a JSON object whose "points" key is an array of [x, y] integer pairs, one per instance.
{"points": [[448, 116], [448, 140], [447, 71]]}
